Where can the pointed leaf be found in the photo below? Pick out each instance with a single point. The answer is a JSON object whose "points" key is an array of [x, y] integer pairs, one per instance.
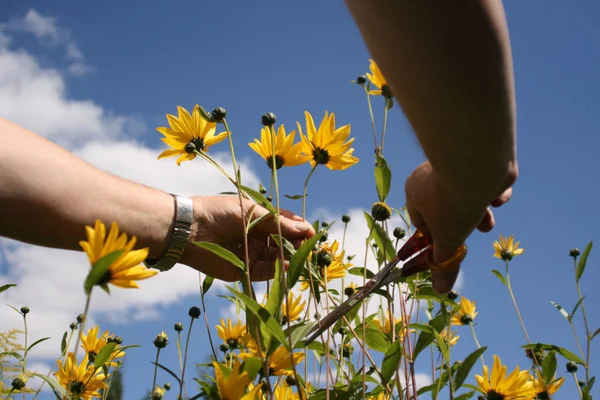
{"points": [[104, 354], [577, 306], [550, 347], [465, 396], [377, 340], [500, 277], [257, 221], [288, 247], [294, 197], [383, 177], [63, 343], [583, 261], [57, 387], [360, 271], [299, 331], [276, 292], [391, 361], [223, 253], [426, 338], [549, 367], [99, 269], [595, 333], [168, 371], [267, 319], [260, 199], [380, 237], [37, 342], [299, 258], [207, 283], [562, 310], [7, 286], [11, 354], [465, 368], [252, 366]]}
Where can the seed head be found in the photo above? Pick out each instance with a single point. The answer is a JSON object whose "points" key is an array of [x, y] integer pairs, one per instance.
{"points": [[194, 312]]}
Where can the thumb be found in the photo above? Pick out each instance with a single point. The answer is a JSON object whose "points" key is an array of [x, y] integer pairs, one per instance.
{"points": [[445, 273]]}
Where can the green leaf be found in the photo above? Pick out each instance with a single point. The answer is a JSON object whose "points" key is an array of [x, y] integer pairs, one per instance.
{"points": [[260, 199], [299, 258], [288, 247], [168, 371], [7, 286], [577, 306], [299, 331], [11, 354], [550, 347], [265, 317], [562, 310], [500, 277], [360, 271], [440, 341], [257, 221], [99, 269], [380, 237], [389, 102], [276, 292], [383, 177], [251, 365], [295, 197], [465, 368], [583, 261], [426, 338], [465, 396], [37, 342], [223, 253], [595, 333], [231, 193], [63, 343], [391, 361], [377, 340], [104, 354], [57, 387], [549, 367], [207, 283]]}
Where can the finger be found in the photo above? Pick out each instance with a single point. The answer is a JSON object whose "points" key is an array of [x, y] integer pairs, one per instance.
{"points": [[290, 228], [290, 215], [263, 270], [503, 198], [443, 280], [487, 223]]}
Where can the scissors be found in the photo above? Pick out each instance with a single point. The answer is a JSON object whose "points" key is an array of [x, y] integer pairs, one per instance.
{"points": [[416, 255]]}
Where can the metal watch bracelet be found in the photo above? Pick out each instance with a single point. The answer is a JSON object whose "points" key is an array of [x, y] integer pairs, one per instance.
{"points": [[184, 217]]}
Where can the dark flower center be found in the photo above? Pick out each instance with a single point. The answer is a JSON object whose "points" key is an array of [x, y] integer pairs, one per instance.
{"points": [[506, 255], [76, 387], [466, 319], [195, 144], [493, 395], [232, 343], [320, 156], [278, 162], [543, 396], [105, 278], [91, 356], [324, 258]]}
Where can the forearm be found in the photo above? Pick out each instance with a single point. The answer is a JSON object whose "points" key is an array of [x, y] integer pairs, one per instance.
{"points": [[449, 66], [48, 196]]}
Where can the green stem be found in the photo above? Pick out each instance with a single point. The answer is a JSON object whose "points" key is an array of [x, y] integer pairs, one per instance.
{"points": [[474, 338], [578, 387], [212, 346], [85, 312], [216, 165], [372, 117], [185, 353], [588, 334], [304, 192], [385, 115], [576, 338], [156, 370]]}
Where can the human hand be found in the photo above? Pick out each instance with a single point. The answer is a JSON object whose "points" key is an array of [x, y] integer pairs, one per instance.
{"points": [[448, 216], [218, 220]]}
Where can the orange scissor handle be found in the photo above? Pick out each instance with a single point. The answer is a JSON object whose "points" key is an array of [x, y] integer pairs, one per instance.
{"points": [[424, 260]]}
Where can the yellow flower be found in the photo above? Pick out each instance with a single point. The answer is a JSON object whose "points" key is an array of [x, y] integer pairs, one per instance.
{"points": [[330, 263], [517, 385], [231, 334], [506, 249], [466, 314], [380, 396], [280, 362], [284, 392], [126, 269], [233, 386], [387, 327], [93, 345], [451, 338], [186, 129], [81, 381], [287, 154], [376, 78], [296, 307], [327, 145], [544, 391], [159, 392]]}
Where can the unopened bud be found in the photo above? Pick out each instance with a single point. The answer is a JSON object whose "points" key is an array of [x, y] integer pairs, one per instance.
{"points": [[346, 219], [574, 252], [268, 119], [161, 340], [178, 327], [381, 211], [25, 310], [399, 233], [219, 114], [361, 80], [194, 312], [572, 367], [19, 383]]}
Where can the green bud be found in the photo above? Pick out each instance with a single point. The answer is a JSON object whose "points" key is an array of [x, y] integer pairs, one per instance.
{"points": [[361, 80], [161, 340], [346, 219], [399, 233], [381, 211], [194, 312], [268, 119], [572, 367], [574, 252], [219, 114], [25, 310], [178, 327]]}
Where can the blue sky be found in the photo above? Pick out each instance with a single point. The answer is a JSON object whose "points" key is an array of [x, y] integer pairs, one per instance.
{"points": [[140, 60]]}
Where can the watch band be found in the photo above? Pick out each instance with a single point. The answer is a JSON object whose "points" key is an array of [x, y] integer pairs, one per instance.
{"points": [[184, 217]]}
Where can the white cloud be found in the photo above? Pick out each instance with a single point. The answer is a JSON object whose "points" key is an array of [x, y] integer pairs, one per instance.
{"points": [[47, 30]]}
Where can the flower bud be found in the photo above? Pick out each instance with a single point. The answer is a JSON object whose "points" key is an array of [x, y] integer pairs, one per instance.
{"points": [[452, 295], [73, 326], [375, 245], [572, 367], [167, 386], [291, 380], [178, 327], [25, 310], [269, 199], [574, 252], [158, 393], [386, 92], [268, 119], [161, 340], [324, 258], [325, 235], [399, 233], [361, 80], [115, 339], [224, 348], [343, 330], [381, 211], [219, 114], [349, 291], [232, 343], [194, 312], [19, 383], [80, 318], [324, 224], [346, 218], [262, 189], [190, 147]]}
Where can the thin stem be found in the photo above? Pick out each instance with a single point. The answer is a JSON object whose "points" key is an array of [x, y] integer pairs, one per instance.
{"points": [[212, 346], [371, 114], [156, 369], [588, 334], [385, 115], [364, 315], [577, 384], [85, 312], [474, 338], [23, 365], [305, 188], [576, 338], [216, 165], [185, 353], [63, 354]]}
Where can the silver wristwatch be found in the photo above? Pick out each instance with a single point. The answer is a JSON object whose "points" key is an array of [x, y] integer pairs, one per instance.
{"points": [[184, 216]]}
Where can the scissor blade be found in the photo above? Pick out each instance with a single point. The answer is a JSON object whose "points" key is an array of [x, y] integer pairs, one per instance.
{"points": [[373, 284]]}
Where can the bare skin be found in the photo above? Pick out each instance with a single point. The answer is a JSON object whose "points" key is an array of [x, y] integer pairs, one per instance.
{"points": [[48, 202], [449, 66]]}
